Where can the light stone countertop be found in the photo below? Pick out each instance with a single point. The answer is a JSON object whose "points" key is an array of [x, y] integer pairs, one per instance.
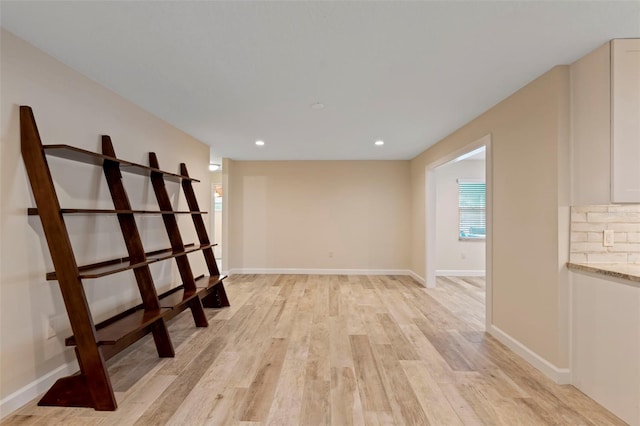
{"points": [[626, 271]]}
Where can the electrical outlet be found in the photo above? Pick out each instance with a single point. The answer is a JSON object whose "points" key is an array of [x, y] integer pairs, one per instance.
{"points": [[463, 256], [607, 239], [330, 254], [49, 330]]}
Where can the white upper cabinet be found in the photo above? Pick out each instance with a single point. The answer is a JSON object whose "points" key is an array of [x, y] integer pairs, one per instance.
{"points": [[625, 121]]}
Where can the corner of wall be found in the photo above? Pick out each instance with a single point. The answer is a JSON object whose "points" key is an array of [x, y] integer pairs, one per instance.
{"points": [[417, 277]]}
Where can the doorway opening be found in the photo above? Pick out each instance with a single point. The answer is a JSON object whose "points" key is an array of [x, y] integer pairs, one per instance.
{"points": [[459, 221], [216, 221]]}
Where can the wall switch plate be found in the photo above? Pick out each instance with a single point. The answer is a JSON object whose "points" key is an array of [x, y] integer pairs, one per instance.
{"points": [[49, 330], [607, 239]]}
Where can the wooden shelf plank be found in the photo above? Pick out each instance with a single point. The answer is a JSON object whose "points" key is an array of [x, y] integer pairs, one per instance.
{"points": [[188, 249], [179, 300], [208, 282], [34, 211], [211, 291], [114, 266], [176, 299], [83, 156], [119, 328]]}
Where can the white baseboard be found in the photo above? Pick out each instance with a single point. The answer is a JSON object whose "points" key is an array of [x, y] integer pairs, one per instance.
{"points": [[417, 277], [460, 273], [561, 376], [25, 394], [299, 271]]}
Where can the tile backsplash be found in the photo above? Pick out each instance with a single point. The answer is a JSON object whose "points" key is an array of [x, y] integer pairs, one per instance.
{"points": [[588, 224]]}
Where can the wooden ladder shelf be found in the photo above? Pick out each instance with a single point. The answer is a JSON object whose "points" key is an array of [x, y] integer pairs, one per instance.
{"points": [[96, 343]]}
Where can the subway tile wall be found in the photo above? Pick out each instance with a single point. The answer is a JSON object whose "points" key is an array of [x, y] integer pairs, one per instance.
{"points": [[588, 224]]}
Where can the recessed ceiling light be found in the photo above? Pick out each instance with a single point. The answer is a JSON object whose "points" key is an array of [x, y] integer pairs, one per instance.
{"points": [[379, 143], [317, 105], [213, 167], [260, 143]]}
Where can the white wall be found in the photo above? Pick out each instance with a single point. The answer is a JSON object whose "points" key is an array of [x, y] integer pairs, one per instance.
{"points": [[456, 257], [529, 139], [318, 215], [71, 109]]}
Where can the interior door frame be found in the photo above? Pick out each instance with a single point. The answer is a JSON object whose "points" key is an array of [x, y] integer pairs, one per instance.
{"points": [[430, 226]]}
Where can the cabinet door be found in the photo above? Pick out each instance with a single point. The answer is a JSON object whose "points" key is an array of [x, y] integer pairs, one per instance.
{"points": [[625, 121]]}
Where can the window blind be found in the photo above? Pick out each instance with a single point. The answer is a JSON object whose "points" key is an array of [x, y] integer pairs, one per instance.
{"points": [[472, 209]]}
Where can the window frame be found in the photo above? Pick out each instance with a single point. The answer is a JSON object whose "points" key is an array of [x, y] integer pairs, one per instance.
{"points": [[481, 209]]}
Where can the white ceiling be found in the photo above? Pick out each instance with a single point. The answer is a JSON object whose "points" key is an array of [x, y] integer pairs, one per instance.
{"points": [[230, 73]]}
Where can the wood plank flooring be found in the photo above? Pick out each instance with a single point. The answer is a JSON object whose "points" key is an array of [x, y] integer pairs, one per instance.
{"points": [[333, 350]]}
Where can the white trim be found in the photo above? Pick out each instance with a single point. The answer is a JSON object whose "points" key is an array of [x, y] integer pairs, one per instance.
{"points": [[30, 391], [470, 154], [488, 248], [561, 376], [417, 278], [463, 180], [430, 200], [571, 328], [460, 273], [301, 271], [430, 219]]}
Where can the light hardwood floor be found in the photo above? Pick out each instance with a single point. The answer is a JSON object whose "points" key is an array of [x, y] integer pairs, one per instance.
{"points": [[333, 350]]}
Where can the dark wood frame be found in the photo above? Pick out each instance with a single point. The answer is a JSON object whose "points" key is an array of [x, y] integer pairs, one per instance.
{"points": [[96, 343]]}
